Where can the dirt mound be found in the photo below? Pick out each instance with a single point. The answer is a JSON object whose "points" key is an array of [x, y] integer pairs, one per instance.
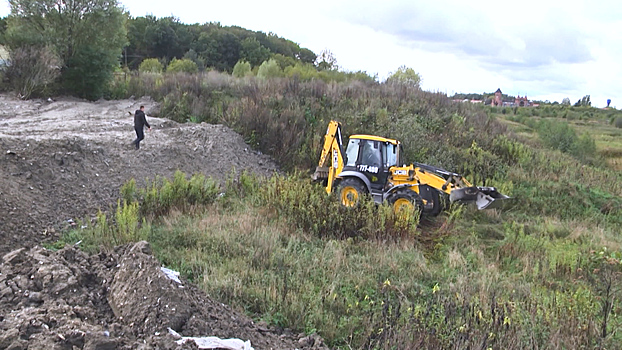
{"points": [[65, 159], [114, 300]]}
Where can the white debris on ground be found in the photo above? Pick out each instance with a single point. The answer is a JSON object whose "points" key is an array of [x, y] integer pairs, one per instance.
{"points": [[174, 275], [213, 342]]}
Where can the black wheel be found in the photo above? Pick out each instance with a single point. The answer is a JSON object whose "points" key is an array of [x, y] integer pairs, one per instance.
{"points": [[434, 200], [406, 203], [351, 191]]}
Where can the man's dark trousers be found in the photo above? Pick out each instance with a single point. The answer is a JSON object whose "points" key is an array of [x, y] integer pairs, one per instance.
{"points": [[140, 135]]}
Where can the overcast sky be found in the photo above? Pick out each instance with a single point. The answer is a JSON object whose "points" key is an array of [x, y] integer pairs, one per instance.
{"points": [[546, 50]]}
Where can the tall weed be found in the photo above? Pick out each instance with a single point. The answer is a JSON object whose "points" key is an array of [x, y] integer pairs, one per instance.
{"points": [[310, 209]]}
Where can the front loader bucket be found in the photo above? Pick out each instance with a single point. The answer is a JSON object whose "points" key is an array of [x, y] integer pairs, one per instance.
{"points": [[483, 197]]}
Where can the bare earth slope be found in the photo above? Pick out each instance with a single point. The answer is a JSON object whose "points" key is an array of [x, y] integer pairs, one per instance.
{"points": [[114, 300], [65, 159]]}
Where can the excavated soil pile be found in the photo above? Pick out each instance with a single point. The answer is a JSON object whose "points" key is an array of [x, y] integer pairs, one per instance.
{"points": [[66, 159], [114, 300]]}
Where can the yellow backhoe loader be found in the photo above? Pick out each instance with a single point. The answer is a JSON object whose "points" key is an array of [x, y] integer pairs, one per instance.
{"points": [[373, 165]]}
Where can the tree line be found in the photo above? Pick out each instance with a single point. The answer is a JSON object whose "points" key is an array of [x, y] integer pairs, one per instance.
{"points": [[76, 47], [209, 45]]}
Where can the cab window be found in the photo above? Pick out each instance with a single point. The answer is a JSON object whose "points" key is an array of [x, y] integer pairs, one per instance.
{"points": [[370, 154], [352, 152], [390, 155]]}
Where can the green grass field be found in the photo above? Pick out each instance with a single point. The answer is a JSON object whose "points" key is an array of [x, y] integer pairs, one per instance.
{"points": [[543, 273]]}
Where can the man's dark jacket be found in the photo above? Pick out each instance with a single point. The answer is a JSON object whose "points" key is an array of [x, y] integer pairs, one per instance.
{"points": [[140, 120]]}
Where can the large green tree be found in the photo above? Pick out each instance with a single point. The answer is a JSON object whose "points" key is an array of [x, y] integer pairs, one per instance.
{"points": [[253, 52], [220, 48], [307, 56], [88, 36]]}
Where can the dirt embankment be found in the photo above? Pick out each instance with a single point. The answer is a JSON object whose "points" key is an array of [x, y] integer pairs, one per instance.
{"points": [[115, 300], [66, 159], [62, 160]]}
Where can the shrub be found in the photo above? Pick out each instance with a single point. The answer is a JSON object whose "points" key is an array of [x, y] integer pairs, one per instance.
{"points": [[90, 71], [618, 122], [557, 135], [269, 69], [241, 69], [163, 195], [405, 76], [118, 88], [182, 66], [31, 69], [151, 65], [303, 72], [309, 208]]}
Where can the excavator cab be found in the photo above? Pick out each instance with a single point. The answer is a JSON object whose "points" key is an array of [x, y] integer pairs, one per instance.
{"points": [[371, 157]]}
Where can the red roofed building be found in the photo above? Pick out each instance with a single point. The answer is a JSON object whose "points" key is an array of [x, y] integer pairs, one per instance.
{"points": [[497, 101], [522, 101]]}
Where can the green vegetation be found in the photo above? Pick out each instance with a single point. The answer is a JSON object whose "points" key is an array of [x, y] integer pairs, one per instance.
{"points": [[93, 36], [33, 70], [532, 285], [2, 30], [216, 46], [87, 36], [151, 65], [269, 69], [544, 273], [182, 66], [242, 69], [590, 134], [405, 75]]}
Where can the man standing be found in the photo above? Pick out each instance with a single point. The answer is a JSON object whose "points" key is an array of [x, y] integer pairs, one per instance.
{"points": [[140, 121]]}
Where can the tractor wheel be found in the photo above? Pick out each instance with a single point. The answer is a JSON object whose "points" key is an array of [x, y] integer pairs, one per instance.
{"points": [[435, 201], [406, 203], [351, 191]]}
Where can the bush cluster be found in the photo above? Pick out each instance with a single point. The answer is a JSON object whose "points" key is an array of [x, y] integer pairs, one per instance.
{"points": [[161, 195], [307, 207], [561, 136]]}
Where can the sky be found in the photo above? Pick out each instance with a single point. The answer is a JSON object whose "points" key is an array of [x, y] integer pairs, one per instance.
{"points": [[546, 49]]}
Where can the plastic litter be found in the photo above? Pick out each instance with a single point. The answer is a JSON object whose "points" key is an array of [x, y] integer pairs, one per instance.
{"points": [[213, 342], [174, 275]]}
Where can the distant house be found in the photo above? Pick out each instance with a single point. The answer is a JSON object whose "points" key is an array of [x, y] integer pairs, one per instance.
{"points": [[518, 101], [498, 101], [522, 101]]}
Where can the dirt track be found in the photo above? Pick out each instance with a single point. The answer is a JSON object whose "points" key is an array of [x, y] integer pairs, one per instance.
{"points": [[66, 159]]}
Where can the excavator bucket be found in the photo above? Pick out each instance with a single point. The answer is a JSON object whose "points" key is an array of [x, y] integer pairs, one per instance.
{"points": [[483, 197]]}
